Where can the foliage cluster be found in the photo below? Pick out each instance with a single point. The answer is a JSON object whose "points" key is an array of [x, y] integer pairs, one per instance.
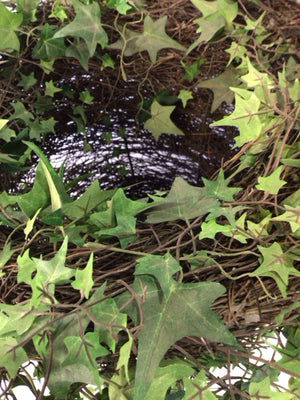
{"points": [[114, 330]]}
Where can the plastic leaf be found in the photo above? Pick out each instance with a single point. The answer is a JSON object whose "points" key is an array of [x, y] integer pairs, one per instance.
{"points": [[262, 389], [219, 188], [292, 216], [185, 96], [27, 81], [276, 265], [177, 205], [84, 278], [124, 356], [11, 360], [221, 87], [80, 51], [9, 22], [86, 25], [153, 39], [211, 228], [272, 183], [30, 223], [244, 117], [21, 113], [51, 89], [86, 97], [48, 47], [183, 311], [160, 121]]}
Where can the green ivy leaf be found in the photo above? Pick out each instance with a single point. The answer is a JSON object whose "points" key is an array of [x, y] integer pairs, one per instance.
{"points": [[211, 228], [160, 121], [84, 278], [80, 51], [86, 97], [27, 81], [177, 205], [244, 117], [86, 25], [272, 183], [5, 255], [191, 71], [39, 128], [262, 389], [220, 86], [124, 356], [277, 265], [21, 113], [11, 360], [28, 8], [9, 22], [121, 6], [59, 13], [185, 96], [51, 89], [197, 385], [153, 39], [219, 188], [48, 46], [183, 311], [290, 215]]}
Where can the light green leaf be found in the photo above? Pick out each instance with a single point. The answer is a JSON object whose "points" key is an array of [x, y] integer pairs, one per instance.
{"points": [[28, 8], [194, 386], [21, 113], [124, 356], [121, 6], [290, 215], [206, 7], [86, 25], [51, 89], [185, 311], [153, 39], [211, 228], [244, 117], [177, 205], [262, 389], [220, 86], [277, 265], [27, 81], [255, 78], [5, 255], [84, 278], [54, 271], [237, 52], [191, 71], [30, 223], [165, 377], [9, 22], [272, 183], [219, 188], [39, 128], [86, 97], [59, 13], [160, 121], [11, 359], [185, 96], [229, 10], [3, 122]]}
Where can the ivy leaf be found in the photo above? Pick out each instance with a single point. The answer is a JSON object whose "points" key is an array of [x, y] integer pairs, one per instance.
{"points": [[84, 278], [220, 86], [160, 121], [272, 183], [59, 13], [39, 128], [48, 46], [153, 39], [80, 51], [193, 386], [219, 188], [9, 22], [244, 117], [166, 377], [177, 205], [86, 25], [28, 8], [27, 81], [263, 390], [292, 216], [120, 5], [86, 97], [277, 265], [192, 70], [3, 122], [184, 310], [185, 96], [21, 113], [5, 254], [11, 360], [51, 89], [211, 228]]}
